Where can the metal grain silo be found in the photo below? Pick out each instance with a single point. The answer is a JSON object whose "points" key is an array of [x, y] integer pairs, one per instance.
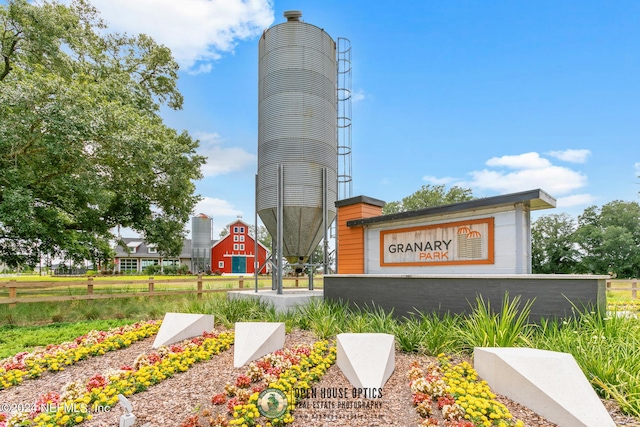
{"points": [[201, 228], [297, 115]]}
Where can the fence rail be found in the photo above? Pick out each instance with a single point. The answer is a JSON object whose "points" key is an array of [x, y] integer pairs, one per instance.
{"points": [[90, 284], [633, 288]]}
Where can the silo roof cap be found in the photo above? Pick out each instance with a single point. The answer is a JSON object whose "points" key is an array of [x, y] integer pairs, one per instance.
{"points": [[293, 15]]}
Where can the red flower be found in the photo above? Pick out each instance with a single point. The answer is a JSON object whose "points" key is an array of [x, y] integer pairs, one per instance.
{"points": [[51, 398], [459, 423], [420, 397], [176, 349], [219, 399], [445, 400], [263, 364], [191, 421], [234, 401], [154, 358], [243, 381], [302, 350], [97, 381]]}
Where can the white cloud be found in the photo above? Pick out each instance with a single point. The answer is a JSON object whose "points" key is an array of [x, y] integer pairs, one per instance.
{"points": [[555, 180], [527, 171], [222, 160], [215, 207], [575, 200], [573, 156], [196, 31], [358, 95], [201, 69], [438, 181], [637, 169], [521, 161]]}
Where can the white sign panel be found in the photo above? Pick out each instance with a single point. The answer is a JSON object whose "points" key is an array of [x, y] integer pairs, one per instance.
{"points": [[462, 242]]}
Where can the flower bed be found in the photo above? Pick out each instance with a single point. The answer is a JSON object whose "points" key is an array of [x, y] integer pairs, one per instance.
{"points": [[463, 400], [78, 401], [288, 369], [55, 357]]}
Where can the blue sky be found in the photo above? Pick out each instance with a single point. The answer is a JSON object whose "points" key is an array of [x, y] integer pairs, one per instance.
{"points": [[496, 96]]}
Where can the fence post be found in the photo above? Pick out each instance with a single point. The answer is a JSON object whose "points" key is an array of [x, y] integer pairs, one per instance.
{"points": [[608, 284], [151, 285], [241, 282], [199, 286], [296, 282], [90, 286], [12, 291], [634, 289]]}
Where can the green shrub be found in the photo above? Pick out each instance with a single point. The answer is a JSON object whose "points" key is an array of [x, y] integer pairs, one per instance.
{"points": [[151, 270]]}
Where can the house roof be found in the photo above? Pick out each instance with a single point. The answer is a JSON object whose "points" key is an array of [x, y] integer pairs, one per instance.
{"points": [[534, 199], [143, 248], [239, 220]]}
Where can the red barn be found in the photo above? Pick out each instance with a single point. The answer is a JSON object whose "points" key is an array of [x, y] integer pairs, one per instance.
{"points": [[235, 252]]}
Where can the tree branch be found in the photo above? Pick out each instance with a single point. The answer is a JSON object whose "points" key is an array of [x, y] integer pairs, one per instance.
{"points": [[7, 61]]}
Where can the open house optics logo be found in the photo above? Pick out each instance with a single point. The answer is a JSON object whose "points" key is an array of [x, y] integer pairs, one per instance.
{"points": [[272, 403]]}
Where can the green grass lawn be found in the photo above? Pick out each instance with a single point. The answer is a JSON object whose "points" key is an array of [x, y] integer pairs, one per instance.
{"points": [[15, 339]]}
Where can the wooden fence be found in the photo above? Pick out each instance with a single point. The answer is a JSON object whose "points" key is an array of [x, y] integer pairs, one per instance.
{"points": [[147, 291], [633, 288]]}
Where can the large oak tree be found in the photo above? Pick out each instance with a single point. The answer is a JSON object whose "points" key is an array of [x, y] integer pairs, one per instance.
{"points": [[82, 145]]}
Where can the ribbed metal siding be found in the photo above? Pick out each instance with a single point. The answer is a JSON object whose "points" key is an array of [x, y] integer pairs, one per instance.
{"points": [[297, 113], [201, 232]]}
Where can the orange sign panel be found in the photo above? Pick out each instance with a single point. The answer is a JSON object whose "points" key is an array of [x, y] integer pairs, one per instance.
{"points": [[452, 243]]}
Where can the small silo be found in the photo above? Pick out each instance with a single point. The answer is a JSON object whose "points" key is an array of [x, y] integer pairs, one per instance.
{"points": [[201, 229], [297, 132]]}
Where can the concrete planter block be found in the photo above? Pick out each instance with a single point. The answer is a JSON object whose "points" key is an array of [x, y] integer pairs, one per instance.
{"points": [[180, 326], [367, 360], [548, 382], [256, 339]]}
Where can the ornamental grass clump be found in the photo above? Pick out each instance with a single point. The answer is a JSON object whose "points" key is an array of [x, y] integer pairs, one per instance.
{"points": [[607, 349], [78, 400], [298, 367], [507, 327], [464, 400], [55, 357]]}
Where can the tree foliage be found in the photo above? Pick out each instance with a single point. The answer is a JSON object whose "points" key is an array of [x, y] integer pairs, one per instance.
{"points": [[427, 196], [82, 145], [604, 240], [553, 249], [609, 239]]}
